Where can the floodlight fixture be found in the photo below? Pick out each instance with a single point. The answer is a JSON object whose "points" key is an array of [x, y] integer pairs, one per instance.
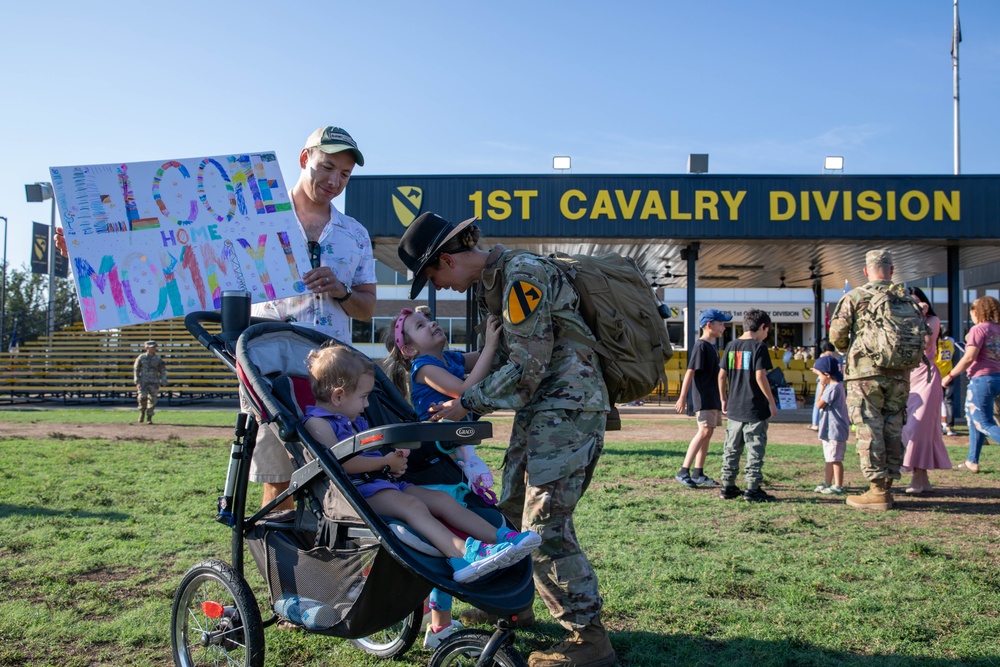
{"points": [[833, 163], [561, 162], [698, 163]]}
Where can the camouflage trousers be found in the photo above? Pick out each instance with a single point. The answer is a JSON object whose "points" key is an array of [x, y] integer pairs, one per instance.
{"points": [[147, 396], [547, 468], [877, 408]]}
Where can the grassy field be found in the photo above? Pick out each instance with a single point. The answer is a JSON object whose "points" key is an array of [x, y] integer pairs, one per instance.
{"points": [[96, 534]]}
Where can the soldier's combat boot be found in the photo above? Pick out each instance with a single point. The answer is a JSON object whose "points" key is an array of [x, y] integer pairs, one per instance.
{"points": [[142, 415], [589, 647], [149, 418], [878, 497]]}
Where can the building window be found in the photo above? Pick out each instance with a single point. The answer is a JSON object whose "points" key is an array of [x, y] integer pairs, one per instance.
{"points": [[386, 275]]}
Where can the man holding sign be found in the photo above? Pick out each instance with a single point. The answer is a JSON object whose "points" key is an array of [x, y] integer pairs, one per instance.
{"points": [[341, 282]]}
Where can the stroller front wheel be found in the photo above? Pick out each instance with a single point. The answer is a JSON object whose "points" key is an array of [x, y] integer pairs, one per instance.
{"points": [[464, 648], [394, 640], [215, 619]]}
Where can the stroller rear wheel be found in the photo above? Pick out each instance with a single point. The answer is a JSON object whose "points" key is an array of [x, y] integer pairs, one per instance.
{"points": [[215, 619], [463, 649], [394, 640]]}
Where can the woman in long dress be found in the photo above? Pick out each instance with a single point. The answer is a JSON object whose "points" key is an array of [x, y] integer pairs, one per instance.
{"points": [[922, 439]]}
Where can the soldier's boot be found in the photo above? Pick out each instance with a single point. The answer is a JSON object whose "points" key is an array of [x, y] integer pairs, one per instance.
{"points": [[473, 616], [589, 647], [878, 497], [149, 417], [142, 415]]}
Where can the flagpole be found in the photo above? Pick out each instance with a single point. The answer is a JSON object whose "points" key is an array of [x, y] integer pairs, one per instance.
{"points": [[956, 38]]}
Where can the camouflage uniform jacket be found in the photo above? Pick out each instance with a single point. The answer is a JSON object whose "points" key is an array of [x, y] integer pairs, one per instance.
{"points": [[538, 369], [844, 331], [149, 369]]}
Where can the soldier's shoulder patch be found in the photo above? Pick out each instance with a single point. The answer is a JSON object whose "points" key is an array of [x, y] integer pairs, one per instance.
{"points": [[523, 299]]}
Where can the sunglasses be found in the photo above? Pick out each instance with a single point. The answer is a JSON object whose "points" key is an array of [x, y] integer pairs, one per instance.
{"points": [[315, 252]]}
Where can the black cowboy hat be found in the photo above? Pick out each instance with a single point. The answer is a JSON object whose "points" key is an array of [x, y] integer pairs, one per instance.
{"points": [[421, 243]]}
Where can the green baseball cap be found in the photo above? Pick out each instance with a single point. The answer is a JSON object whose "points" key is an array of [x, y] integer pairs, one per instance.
{"points": [[332, 139]]}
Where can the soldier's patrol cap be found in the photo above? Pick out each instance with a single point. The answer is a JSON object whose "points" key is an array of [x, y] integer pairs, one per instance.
{"points": [[150, 343], [421, 243], [876, 257], [332, 139]]}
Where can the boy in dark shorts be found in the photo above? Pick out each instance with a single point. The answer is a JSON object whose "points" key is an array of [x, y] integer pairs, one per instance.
{"points": [[706, 399], [748, 403]]}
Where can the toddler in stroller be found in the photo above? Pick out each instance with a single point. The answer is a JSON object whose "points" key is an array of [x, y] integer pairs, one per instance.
{"points": [[355, 572], [341, 380]]}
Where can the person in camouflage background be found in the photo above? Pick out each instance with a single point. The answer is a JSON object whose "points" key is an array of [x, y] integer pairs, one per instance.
{"points": [[150, 373], [555, 387], [876, 397]]}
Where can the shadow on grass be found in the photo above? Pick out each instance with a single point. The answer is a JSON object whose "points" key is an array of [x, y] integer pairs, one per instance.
{"points": [[639, 649], [21, 510]]}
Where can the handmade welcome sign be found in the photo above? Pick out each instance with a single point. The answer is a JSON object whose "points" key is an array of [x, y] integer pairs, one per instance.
{"points": [[155, 240]]}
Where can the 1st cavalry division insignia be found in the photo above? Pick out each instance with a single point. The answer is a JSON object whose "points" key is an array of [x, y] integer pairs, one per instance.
{"points": [[522, 301], [406, 202]]}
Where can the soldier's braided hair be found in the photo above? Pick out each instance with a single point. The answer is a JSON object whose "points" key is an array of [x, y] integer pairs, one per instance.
{"points": [[465, 240]]}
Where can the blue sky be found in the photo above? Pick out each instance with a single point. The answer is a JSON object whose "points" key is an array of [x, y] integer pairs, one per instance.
{"points": [[435, 87]]}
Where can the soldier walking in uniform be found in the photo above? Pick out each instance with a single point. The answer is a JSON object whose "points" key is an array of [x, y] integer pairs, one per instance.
{"points": [[876, 396], [150, 373], [554, 385]]}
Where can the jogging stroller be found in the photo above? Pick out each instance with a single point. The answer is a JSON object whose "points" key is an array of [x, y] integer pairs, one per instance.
{"points": [[346, 571]]}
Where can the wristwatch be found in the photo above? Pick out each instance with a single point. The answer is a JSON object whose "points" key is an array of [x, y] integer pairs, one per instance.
{"points": [[342, 299]]}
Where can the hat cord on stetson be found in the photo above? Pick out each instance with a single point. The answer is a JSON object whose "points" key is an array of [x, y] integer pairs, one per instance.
{"points": [[432, 247]]}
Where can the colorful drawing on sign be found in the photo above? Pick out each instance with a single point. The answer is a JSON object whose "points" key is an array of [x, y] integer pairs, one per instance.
{"points": [[155, 240]]}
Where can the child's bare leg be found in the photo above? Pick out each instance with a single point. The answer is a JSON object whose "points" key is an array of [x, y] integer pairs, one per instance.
{"points": [[838, 473], [695, 456], [411, 509], [445, 509], [704, 436], [829, 473]]}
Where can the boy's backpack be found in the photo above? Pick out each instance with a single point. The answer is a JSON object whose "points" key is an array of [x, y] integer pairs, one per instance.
{"points": [[621, 310], [891, 330]]}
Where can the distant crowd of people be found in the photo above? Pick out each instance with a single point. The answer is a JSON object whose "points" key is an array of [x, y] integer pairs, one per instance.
{"points": [[886, 375]]}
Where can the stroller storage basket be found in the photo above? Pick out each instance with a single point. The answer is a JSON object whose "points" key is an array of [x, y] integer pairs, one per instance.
{"points": [[343, 580]]}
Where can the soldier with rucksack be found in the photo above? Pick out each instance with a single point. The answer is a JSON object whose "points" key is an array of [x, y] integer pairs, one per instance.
{"points": [[880, 329], [553, 382]]}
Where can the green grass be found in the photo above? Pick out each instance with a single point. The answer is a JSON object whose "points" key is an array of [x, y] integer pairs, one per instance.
{"points": [[95, 536]]}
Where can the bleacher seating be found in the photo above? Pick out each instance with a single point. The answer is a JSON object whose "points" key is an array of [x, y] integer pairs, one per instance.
{"points": [[73, 364]]}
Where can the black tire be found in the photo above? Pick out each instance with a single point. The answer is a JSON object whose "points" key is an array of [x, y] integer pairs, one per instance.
{"points": [[200, 637], [463, 649], [394, 640]]}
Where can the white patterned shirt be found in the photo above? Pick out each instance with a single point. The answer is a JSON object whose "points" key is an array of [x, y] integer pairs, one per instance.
{"points": [[347, 249]]}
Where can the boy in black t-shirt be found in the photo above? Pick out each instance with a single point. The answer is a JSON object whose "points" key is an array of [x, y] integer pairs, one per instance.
{"points": [[706, 399], [748, 403]]}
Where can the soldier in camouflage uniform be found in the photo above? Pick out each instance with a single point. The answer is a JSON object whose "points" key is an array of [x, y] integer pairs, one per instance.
{"points": [[150, 373], [555, 387], [876, 397]]}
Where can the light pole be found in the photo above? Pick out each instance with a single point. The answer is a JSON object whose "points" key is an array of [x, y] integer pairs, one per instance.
{"points": [[38, 192], [3, 294]]}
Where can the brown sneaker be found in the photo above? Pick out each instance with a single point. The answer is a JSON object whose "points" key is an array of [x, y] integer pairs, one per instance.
{"points": [[473, 616], [589, 647], [877, 498]]}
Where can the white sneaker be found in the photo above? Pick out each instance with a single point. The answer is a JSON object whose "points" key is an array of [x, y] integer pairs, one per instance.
{"points": [[434, 639]]}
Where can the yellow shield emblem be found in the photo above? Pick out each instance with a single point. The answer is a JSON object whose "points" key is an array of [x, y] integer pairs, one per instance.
{"points": [[807, 313], [406, 202], [522, 300]]}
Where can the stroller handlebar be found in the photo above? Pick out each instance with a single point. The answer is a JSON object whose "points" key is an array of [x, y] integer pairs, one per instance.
{"points": [[413, 434]]}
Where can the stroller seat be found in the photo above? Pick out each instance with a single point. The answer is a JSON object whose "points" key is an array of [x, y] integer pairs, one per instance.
{"points": [[371, 572]]}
